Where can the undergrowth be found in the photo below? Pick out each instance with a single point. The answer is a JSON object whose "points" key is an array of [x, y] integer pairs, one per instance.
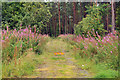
{"points": [[25, 66]]}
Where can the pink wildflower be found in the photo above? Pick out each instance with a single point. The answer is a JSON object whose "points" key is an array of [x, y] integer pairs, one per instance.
{"points": [[7, 28], [31, 48], [104, 37], [21, 45], [86, 48], [21, 24], [111, 51], [3, 41], [96, 44], [6, 37], [99, 41]]}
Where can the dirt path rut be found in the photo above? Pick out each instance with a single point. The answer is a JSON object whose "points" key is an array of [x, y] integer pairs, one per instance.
{"points": [[63, 66]]}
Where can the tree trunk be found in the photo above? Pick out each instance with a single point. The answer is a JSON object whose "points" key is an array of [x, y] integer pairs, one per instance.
{"points": [[80, 12], [113, 16], [65, 18], [49, 29], [68, 25], [107, 21], [59, 17], [77, 16], [71, 25], [74, 12], [55, 26], [63, 23]]}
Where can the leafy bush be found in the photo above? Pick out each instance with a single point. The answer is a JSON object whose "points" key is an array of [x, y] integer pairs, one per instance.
{"points": [[92, 21], [118, 19], [34, 14]]}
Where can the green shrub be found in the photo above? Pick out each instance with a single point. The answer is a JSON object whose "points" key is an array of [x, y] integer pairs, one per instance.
{"points": [[92, 21]]}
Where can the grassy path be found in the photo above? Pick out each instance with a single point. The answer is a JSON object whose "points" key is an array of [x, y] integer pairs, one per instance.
{"points": [[63, 66]]}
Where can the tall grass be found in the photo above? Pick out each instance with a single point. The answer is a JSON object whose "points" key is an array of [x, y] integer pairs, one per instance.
{"points": [[97, 49], [15, 43]]}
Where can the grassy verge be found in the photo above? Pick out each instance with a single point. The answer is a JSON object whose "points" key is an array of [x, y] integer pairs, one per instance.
{"points": [[98, 70], [98, 55], [25, 66]]}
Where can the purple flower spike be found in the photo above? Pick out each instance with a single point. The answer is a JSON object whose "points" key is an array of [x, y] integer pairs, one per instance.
{"points": [[29, 26], [7, 28], [15, 29], [96, 43], [30, 31], [21, 45], [111, 51], [104, 37], [3, 41], [21, 24]]}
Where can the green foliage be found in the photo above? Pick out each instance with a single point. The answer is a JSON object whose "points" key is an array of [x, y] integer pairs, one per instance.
{"points": [[25, 67], [93, 20], [107, 74], [16, 13], [118, 19], [39, 45]]}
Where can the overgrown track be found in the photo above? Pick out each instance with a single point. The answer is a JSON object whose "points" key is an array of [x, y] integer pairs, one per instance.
{"points": [[63, 66]]}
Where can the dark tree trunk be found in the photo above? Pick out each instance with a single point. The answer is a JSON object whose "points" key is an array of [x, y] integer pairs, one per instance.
{"points": [[74, 12], [55, 26], [80, 12], [59, 17], [47, 27], [68, 25], [63, 24], [65, 18]]}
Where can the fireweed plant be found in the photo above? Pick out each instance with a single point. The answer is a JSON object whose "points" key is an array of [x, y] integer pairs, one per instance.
{"points": [[98, 49], [15, 43]]}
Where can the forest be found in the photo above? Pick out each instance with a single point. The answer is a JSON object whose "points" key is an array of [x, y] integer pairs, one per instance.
{"points": [[60, 39]]}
